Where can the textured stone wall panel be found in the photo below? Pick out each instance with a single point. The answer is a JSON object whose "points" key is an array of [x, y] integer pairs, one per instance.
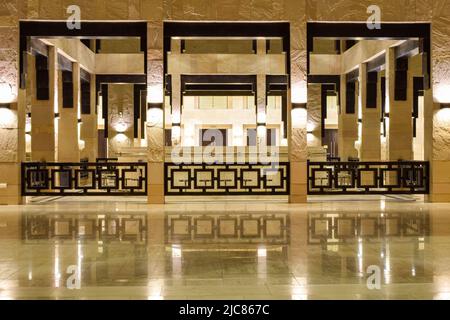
{"points": [[8, 144], [152, 10], [52, 9], [155, 38], [298, 145], [356, 10], [29, 9], [441, 135], [155, 72], [155, 142]]}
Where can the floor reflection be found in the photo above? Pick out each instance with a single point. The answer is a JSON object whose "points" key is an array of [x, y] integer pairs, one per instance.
{"points": [[307, 253]]}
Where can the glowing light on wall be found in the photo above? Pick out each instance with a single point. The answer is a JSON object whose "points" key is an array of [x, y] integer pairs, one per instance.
{"points": [[120, 137], [6, 93], [443, 116], [176, 133], [120, 126], [442, 93], [8, 118], [155, 93], [155, 117], [299, 92], [261, 131], [176, 117], [261, 117], [299, 118], [81, 144]]}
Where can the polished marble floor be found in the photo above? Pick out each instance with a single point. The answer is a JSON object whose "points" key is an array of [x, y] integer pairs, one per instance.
{"points": [[106, 248]]}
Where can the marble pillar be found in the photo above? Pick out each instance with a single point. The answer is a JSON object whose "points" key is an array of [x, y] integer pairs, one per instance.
{"points": [[370, 148], [297, 120], [89, 128], [68, 149], [155, 116], [261, 114], [399, 130], [42, 112], [261, 99], [348, 127], [176, 96], [314, 126]]}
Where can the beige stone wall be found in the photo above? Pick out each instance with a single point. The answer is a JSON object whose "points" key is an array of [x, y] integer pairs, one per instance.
{"points": [[120, 118], [297, 12]]}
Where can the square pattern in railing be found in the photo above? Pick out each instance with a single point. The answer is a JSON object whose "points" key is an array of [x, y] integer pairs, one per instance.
{"points": [[227, 179], [403, 177], [78, 179]]}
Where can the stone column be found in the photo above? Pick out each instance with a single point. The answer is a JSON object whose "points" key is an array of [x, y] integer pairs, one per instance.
{"points": [[68, 129], [297, 119], [155, 115], [314, 126], [399, 130], [176, 109], [261, 99], [12, 119], [176, 97], [42, 112], [348, 126], [261, 114], [370, 149], [89, 130]]}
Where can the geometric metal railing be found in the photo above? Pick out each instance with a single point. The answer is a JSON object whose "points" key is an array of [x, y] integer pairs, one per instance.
{"points": [[402, 177], [226, 179], [84, 179]]}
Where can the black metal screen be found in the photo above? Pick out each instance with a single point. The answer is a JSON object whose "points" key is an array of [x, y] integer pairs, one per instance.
{"points": [[227, 179], [84, 179], [403, 177]]}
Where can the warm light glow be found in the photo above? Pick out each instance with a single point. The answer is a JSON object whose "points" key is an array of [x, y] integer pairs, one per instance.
{"points": [[176, 133], [284, 142], [442, 93], [443, 116], [360, 131], [155, 93], [299, 92], [155, 117], [121, 137], [120, 126], [6, 93], [310, 127], [81, 144], [299, 118], [176, 117], [176, 251], [261, 117], [261, 131], [262, 252], [8, 118]]}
